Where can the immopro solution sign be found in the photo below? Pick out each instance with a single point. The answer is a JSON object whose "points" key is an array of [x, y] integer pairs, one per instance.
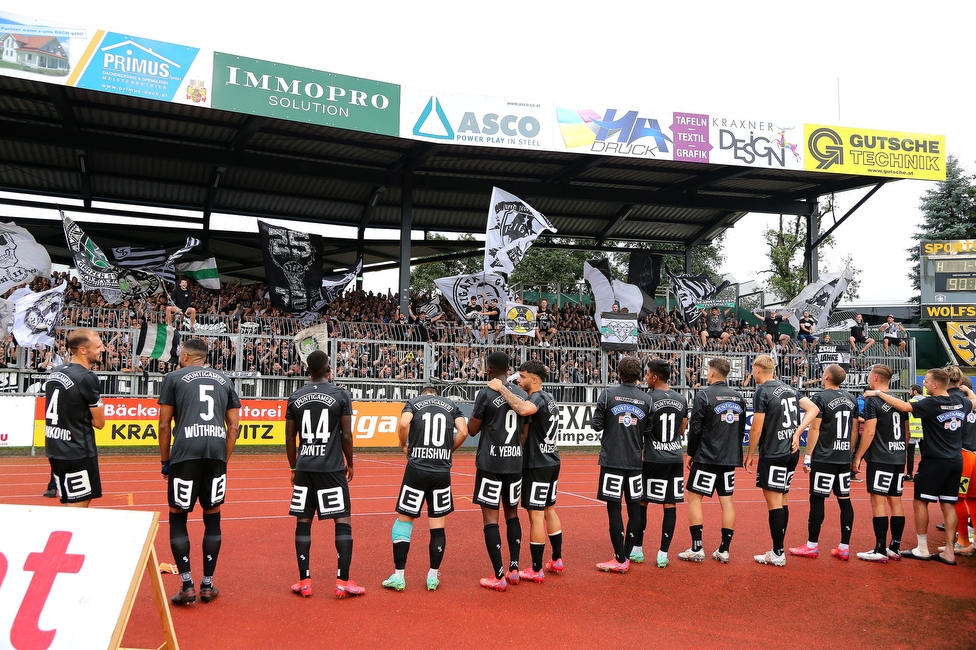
{"points": [[287, 92]]}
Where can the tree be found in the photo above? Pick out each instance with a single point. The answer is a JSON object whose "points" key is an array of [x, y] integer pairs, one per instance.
{"points": [[948, 212], [788, 266], [422, 275], [551, 266], [705, 258]]}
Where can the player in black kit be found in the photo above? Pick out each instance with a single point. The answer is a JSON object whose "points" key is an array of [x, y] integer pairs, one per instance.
{"points": [[773, 433], [319, 419], [430, 431], [622, 413], [937, 479], [715, 434], [498, 473], [883, 445], [663, 471], [540, 466], [205, 406], [831, 417], [72, 411]]}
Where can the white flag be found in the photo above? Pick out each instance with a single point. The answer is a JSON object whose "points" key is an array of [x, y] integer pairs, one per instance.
{"points": [[37, 315], [311, 339], [459, 289], [820, 298], [6, 315], [21, 257], [607, 291], [513, 225]]}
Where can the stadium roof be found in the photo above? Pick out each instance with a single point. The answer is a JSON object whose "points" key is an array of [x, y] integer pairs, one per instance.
{"points": [[89, 149]]}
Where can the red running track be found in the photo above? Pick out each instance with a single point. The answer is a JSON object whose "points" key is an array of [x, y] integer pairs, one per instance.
{"points": [[822, 603]]}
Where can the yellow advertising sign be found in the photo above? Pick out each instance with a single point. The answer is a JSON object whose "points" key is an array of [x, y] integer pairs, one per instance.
{"points": [[845, 150], [134, 422]]}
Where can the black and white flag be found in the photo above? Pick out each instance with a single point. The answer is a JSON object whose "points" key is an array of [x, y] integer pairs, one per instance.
{"points": [[459, 289], [21, 257], [690, 290], [820, 298], [619, 331], [608, 292], [292, 266], [151, 259], [513, 225], [37, 315], [829, 353], [333, 285], [158, 341], [97, 273]]}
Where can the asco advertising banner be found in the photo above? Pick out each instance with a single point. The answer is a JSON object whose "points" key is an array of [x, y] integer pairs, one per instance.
{"points": [[134, 422]]}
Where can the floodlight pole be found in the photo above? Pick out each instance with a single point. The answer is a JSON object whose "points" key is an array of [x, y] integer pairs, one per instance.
{"points": [[813, 259]]}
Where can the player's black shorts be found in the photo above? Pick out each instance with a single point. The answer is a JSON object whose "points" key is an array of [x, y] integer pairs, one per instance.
{"points": [[707, 479], [885, 479], [937, 479], [77, 480], [714, 334], [539, 487], [203, 479], [617, 485], [830, 477], [775, 474], [421, 485], [495, 490], [325, 492], [664, 483]]}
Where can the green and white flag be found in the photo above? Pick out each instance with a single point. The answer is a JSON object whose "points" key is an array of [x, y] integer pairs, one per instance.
{"points": [[203, 273], [158, 341]]}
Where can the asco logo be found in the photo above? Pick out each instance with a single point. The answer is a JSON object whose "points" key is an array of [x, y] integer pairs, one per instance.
{"points": [[482, 127]]}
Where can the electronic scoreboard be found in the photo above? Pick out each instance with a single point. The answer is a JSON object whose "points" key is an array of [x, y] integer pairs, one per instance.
{"points": [[947, 279]]}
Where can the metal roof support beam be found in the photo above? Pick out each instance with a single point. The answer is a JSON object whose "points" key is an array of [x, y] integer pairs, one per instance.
{"points": [[208, 205], [811, 253], [406, 226], [847, 214], [709, 228], [368, 210], [618, 220], [251, 126], [570, 172]]}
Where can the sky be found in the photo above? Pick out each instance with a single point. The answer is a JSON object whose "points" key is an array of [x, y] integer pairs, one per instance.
{"points": [[897, 66]]}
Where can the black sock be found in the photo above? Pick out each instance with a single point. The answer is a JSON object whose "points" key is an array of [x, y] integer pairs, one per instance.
{"points": [[777, 531], [880, 533], [667, 527], [303, 545], [493, 542], [211, 544], [696, 537], [438, 542], [897, 528], [642, 526], [513, 531], [343, 544], [846, 520], [616, 529], [537, 551], [815, 521], [400, 552], [179, 544], [556, 541], [786, 521], [726, 540], [633, 528]]}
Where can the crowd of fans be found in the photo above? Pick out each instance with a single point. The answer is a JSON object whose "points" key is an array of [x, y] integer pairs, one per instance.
{"points": [[376, 341]]}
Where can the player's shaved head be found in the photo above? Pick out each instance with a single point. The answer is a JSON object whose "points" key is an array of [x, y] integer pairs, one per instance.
{"points": [[318, 365], [196, 348], [79, 338], [835, 374], [498, 362], [629, 370]]}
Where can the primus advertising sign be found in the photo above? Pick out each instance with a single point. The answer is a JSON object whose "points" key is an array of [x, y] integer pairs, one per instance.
{"points": [[288, 92]]}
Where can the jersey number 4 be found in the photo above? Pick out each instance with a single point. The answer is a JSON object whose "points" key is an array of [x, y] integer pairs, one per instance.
{"points": [[322, 430], [52, 408]]}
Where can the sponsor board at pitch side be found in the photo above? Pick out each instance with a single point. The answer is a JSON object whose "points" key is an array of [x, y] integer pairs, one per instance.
{"points": [[134, 422], [473, 120], [889, 154]]}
